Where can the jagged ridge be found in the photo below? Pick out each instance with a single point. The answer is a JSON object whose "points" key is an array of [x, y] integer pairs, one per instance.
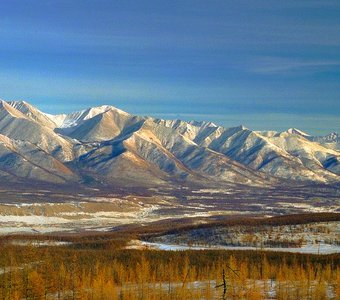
{"points": [[109, 146]]}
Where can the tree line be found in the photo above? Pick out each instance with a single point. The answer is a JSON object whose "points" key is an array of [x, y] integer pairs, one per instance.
{"points": [[107, 271]]}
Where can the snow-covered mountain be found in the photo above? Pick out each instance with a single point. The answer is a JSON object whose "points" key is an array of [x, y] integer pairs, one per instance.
{"points": [[104, 145], [331, 140]]}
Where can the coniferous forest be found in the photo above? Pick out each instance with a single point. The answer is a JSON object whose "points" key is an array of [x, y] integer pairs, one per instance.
{"points": [[100, 267]]}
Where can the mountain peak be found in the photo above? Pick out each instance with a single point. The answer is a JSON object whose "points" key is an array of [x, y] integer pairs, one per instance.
{"points": [[21, 105], [202, 123], [333, 135], [5, 106], [76, 118], [297, 132], [111, 144], [330, 138], [32, 113]]}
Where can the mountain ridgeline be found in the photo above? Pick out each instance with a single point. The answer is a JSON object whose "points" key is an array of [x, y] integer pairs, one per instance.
{"points": [[107, 146]]}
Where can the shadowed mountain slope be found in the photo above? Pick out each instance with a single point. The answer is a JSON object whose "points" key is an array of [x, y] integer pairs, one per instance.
{"points": [[108, 146]]}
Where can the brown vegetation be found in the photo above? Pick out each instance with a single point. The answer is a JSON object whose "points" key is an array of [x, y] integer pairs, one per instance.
{"points": [[104, 271], [97, 266]]}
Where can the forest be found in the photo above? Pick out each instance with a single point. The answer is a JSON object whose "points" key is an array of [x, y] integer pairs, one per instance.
{"points": [[98, 266]]}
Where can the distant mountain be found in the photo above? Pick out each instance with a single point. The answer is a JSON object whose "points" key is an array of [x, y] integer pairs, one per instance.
{"points": [[289, 154], [104, 145], [331, 140]]}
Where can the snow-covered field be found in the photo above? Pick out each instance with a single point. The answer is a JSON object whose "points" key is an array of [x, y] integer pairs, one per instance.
{"points": [[310, 248], [40, 211]]}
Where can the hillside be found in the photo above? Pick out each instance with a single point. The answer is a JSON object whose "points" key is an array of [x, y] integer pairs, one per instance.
{"points": [[107, 146]]}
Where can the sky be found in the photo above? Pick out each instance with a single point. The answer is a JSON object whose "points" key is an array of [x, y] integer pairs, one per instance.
{"points": [[269, 65]]}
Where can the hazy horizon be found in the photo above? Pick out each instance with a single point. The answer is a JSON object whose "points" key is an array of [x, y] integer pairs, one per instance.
{"points": [[221, 120]]}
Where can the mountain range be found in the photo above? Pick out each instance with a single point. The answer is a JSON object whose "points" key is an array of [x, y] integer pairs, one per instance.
{"points": [[107, 146]]}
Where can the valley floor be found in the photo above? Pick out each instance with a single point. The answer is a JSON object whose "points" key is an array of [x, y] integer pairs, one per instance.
{"points": [[44, 210]]}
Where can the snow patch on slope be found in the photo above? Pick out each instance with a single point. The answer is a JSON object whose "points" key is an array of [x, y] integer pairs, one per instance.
{"points": [[76, 118]]}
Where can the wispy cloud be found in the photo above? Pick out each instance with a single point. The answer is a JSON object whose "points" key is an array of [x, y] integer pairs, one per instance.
{"points": [[276, 65], [227, 57]]}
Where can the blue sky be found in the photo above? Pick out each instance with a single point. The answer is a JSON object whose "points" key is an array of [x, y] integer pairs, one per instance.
{"points": [[264, 64]]}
